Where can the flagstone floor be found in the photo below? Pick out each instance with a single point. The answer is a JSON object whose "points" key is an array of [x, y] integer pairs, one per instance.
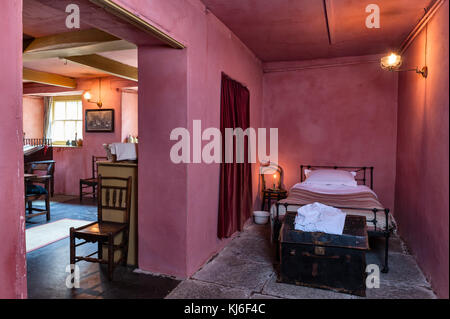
{"points": [[244, 269]]}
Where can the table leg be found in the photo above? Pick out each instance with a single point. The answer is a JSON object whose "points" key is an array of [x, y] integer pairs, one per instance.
{"points": [[263, 201]]}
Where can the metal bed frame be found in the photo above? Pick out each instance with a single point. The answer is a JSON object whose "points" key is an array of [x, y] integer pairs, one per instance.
{"points": [[364, 176]]}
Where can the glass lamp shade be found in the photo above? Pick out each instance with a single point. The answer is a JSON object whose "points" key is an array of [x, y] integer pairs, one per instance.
{"points": [[391, 62], [87, 95]]}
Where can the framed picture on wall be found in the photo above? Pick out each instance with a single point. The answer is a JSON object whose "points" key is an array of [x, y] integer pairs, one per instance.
{"points": [[99, 121]]}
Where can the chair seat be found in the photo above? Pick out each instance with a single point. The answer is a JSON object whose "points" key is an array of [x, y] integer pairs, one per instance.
{"points": [[101, 229], [33, 189], [33, 197], [89, 181]]}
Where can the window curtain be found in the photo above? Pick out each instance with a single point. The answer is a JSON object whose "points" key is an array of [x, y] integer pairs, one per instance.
{"points": [[235, 199], [48, 104]]}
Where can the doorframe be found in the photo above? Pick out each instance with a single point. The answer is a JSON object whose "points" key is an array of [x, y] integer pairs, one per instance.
{"points": [[131, 19]]}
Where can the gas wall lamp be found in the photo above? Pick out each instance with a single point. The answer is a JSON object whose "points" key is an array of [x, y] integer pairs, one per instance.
{"points": [[393, 62]]}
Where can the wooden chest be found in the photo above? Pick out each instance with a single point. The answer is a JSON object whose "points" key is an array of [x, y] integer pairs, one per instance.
{"points": [[336, 262]]}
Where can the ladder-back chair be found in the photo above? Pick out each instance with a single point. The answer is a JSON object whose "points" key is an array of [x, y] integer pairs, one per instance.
{"points": [[111, 199], [38, 187], [44, 169], [91, 182]]}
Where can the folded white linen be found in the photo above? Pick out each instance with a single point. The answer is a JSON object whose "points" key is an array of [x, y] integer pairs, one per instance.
{"points": [[317, 217], [124, 151]]}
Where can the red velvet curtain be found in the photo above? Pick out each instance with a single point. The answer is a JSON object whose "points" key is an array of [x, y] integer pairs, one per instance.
{"points": [[235, 200]]}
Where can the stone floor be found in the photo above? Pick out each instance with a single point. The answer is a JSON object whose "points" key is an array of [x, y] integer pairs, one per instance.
{"points": [[244, 269]]}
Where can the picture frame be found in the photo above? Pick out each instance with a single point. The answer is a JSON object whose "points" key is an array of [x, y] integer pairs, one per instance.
{"points": [[99, 121]]}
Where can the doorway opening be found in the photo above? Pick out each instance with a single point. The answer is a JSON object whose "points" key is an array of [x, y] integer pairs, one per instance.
{"points": [[80, 120]]}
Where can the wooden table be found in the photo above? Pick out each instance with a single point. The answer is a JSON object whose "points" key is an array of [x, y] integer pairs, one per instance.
{"points": [[272, 194]]}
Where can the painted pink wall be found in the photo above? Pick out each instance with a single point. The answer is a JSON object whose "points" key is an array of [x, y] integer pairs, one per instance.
{"points": [[422, 189], [178, 218], [162, 185], [75, 163], [12, 210], [222, 51], [334, 112], [129, 114], [33, 116]]}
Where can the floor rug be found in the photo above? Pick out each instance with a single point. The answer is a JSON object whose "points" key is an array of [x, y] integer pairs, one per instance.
{"points": [[43, 235]]}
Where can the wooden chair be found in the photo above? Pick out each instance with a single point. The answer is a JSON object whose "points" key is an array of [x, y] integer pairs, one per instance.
{"points": [[104, 232], [37, 188], [91, 182], [276, 192], [47, 168]]}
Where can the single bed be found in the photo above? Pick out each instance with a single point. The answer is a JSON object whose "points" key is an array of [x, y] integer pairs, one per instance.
{"points": [[358, 199]]}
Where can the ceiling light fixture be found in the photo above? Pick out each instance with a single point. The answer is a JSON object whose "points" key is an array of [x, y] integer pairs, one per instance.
{"points": [[393, 62]]}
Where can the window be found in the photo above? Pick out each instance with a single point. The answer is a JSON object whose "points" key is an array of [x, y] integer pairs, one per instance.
{"points": [[67, 119]]}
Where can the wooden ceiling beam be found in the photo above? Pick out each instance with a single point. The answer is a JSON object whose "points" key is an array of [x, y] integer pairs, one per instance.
{"points": [[48, 78], [27, 40], [69, 40], [82, 42], [106, 65]]}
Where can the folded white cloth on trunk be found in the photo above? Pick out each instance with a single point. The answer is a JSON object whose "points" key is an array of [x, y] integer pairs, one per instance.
{"points": [[317, 217], [124, 151]]}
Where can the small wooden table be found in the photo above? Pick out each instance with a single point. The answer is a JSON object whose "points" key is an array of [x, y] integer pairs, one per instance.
{"points": [[272, 194], [327, 261]]}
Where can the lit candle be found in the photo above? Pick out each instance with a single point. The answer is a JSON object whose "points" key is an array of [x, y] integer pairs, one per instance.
{"points": [[274, 181]]}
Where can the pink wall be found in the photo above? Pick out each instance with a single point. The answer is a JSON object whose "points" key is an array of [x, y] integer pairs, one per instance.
{"points": [[129, 114], [12, 210], [75, 163], [162, 184], [178, 218], [423, 152], [220, 51], [334, 112], [33, 116]]}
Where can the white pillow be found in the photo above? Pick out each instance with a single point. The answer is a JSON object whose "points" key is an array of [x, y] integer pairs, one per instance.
{"points": [[330, 177]]}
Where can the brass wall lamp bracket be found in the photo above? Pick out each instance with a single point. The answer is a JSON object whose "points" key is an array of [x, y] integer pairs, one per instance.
{"points": [[423, 71], [87, 95]]}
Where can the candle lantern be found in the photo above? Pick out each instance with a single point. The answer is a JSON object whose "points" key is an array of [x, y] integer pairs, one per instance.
{"points": [[271, 173]]}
